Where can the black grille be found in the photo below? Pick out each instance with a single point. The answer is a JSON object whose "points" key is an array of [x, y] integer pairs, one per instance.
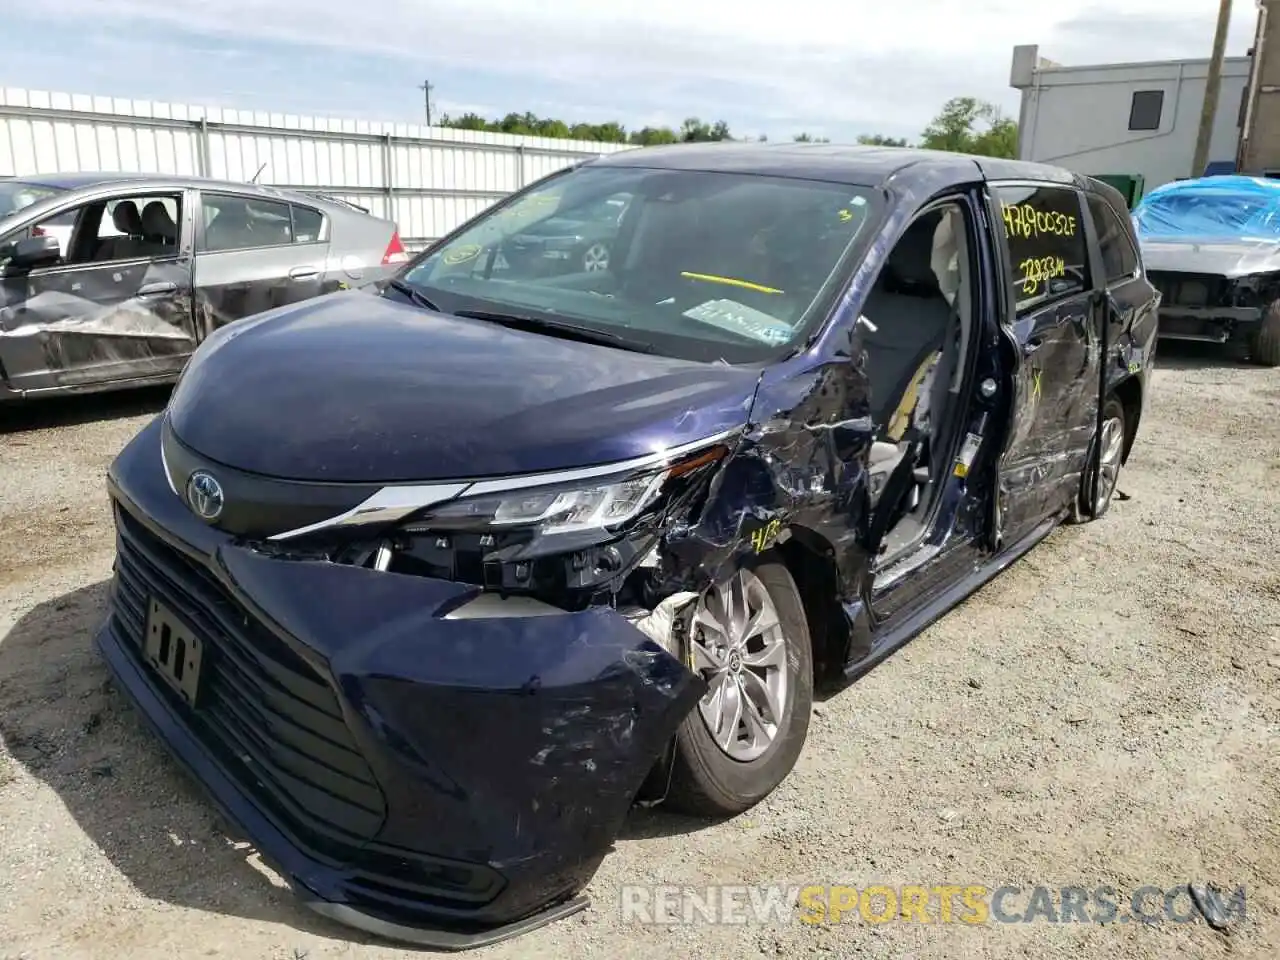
{"points": [[271, 719], [1189, 289]]}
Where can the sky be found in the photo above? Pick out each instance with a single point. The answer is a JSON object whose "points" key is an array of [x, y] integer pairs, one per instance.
{"points": [[835, 69]]}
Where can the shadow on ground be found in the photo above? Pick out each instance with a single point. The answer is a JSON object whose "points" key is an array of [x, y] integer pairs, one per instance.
{"points": [[1198, 355], [62, 719], [20, 416]]}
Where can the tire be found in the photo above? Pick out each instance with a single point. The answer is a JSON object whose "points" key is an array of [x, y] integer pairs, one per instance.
{"points": [[1114, 431], [706, 780], [1264, 344], [595, 257]]}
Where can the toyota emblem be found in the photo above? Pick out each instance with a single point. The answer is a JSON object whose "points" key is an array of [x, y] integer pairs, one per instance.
{"points": [[204, 494]]}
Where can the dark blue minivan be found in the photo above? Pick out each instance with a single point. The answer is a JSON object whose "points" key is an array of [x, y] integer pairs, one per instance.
{"points": [[429, 584]]}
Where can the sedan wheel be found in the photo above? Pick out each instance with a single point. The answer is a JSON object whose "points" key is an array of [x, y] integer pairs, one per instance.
{"points": [[749, 641]]}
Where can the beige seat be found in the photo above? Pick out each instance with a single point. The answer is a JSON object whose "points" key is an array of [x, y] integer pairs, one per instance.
{"points": [[914, 323]]}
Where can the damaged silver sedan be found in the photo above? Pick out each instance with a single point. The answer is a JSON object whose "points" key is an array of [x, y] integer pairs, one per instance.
{"points": [[111, 280]]}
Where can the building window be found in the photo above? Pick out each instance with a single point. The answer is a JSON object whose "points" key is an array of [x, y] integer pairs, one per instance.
{"points": [[1144, 111]]}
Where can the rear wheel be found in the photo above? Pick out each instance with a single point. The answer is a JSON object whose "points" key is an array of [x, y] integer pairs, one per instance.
{"points": [[1112, 444], [1264, 345], [750, 641]]}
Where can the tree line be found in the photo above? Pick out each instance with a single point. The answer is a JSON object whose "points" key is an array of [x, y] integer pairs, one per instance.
{"points": [[964, 125]]}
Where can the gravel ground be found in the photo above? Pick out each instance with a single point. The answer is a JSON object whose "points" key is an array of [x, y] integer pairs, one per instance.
{"points": [[1104, 713]]}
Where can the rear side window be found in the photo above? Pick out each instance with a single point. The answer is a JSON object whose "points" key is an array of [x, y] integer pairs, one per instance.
{"points": [[1119, 258], [1047, 249], [246, 223]]}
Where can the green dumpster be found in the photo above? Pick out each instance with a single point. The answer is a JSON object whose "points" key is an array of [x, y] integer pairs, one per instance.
{"points": [[1130, 185]]}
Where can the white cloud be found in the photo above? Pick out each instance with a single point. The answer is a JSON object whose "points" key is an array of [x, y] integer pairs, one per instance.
{"points": [[763, 64]]}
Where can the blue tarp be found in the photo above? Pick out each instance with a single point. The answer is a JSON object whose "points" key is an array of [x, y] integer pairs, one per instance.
{"points": [[1217, 208]]}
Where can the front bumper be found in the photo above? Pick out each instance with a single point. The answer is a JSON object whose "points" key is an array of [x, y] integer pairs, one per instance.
{"points": [[1215, 324], [444, 781]]}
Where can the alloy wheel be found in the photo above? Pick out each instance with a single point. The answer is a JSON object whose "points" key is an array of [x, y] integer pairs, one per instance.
{"points": [[1109, 467], [739, 646], [595, 258]]}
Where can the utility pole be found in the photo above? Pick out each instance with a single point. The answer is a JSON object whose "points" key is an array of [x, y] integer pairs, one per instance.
{"points": [[426, 89], [1212, 83]]}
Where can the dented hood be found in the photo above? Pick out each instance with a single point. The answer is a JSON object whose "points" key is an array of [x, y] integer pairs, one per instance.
{"points": [[356, 388], [1225, 258]]}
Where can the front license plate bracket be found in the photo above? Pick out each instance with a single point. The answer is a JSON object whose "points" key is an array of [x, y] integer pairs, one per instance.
{"points": [[174, 651]]}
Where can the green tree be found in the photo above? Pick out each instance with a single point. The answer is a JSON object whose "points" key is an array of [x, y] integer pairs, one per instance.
{"points": [[810, 138], [694, 130], [880, 140], [970, 125], [652, 136]]}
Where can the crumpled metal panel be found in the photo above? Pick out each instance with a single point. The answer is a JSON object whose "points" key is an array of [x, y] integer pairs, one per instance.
{"points": [[94, 323]]}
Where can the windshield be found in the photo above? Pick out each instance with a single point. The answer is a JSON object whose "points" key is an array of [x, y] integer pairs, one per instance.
{"points": [[1219, 208], [695, 265], [16, 195]]}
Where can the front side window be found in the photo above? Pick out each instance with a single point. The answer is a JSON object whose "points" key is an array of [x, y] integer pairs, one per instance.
{"points": [[131, 227], [698, 265], [1046, 241]]}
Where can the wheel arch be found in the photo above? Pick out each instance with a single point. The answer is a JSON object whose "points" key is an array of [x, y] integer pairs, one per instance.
{"points": [[810, 559], [1129, 392]]}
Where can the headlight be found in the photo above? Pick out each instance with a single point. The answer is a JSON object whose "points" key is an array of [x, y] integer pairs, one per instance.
{"points": [[552, 509], [553, 534]]}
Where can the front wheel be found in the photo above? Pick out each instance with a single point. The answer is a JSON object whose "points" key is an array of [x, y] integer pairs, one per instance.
{"points": [[1112, 444], [749, 639]]}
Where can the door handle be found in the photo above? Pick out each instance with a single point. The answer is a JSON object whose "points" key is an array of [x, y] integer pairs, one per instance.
{"points": [[1032, 345], [156, 289], [304, 273]]}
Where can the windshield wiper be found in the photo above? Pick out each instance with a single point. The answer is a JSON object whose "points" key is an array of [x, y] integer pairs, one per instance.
{"points": [[413, 293], [574, 331]]}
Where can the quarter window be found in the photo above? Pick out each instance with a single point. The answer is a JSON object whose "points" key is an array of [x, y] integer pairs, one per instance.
{"points": [[245, 223], [1119, 259], [307, 224], [1047, 249]]}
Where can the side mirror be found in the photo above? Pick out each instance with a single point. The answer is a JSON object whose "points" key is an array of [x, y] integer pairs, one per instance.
{"points": [[35, 252]]}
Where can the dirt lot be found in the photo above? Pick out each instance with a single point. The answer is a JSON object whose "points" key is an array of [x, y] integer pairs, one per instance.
{"points": [[1105, 713]]}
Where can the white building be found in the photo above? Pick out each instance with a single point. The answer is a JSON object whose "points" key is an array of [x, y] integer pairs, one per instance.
{"points": [[1124, 118]]}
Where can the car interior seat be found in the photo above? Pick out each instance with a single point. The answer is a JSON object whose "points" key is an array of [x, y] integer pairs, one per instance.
{"points": [[159, 231], [230, 229], [126, 219], [920, 308]]}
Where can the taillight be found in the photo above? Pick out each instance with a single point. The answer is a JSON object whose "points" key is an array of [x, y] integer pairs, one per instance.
{"points": [[396, 252]]}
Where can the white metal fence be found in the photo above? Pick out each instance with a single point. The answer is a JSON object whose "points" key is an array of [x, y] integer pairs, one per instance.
{"points": [[427, 179]]}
